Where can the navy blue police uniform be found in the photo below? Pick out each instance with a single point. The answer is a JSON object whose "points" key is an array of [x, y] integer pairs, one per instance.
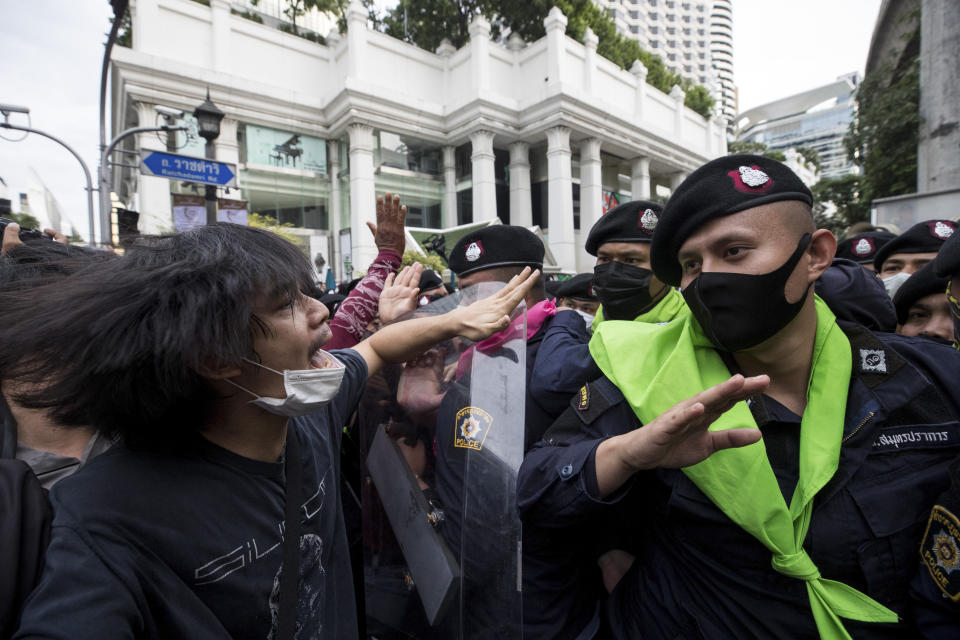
{"points": [[698, 574]]}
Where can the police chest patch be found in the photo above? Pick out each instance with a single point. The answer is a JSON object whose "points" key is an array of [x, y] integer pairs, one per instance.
{"points": [[873, 360], [940, 551], [471, 427], [902, 438], [583, 398]]}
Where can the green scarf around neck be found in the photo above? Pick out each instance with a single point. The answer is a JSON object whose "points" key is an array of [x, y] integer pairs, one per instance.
{"points": [[669, 307], [674, 361]]}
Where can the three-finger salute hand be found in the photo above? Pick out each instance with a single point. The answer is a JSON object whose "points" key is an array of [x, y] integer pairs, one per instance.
{"points": [[681, 436]]}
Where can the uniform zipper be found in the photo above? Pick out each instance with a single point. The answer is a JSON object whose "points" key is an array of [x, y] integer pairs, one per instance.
{"points": [[859, 426]]}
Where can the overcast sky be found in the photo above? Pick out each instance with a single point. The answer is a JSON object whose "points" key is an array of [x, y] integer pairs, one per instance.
{"points": [[50, 53]]}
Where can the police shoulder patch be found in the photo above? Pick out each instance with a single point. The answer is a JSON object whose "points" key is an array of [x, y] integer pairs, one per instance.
{"points": [[940, 551], [471, 427]]}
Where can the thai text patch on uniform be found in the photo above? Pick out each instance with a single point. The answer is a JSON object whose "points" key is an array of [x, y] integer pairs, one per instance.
{"points": [[915, 437]]}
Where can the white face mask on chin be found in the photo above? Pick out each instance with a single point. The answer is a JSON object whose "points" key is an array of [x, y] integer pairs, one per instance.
{"points": [[308, 390]]}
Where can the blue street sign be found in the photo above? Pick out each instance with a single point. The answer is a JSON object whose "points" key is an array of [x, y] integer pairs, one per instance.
{"points": [[176, 167]]}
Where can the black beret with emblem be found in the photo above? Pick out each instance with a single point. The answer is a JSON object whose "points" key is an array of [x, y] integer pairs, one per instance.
{"points": [[633, 221], [862, 247], [499, 245], [922, 283], [924, 237], [947, 262], [430, 280], [579, 287], [722, 187]]}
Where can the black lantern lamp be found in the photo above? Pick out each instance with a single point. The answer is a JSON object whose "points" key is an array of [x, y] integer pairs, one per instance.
{"points": [[208, 119]]}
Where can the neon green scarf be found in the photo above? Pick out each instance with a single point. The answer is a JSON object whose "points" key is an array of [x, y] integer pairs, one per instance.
{"points": [[669, 363], [669, 307]]}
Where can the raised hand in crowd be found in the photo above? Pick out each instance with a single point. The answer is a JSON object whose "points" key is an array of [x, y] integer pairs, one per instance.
{"points": [[399, 295], [388, 232]]}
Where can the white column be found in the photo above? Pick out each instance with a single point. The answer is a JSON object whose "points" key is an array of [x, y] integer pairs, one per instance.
{"points": [[153, 194], [449, 186], [556, 25], [363, 201], [678, 96], [484, 179], [333, 225], [640, 92], [480, 53], [640, 179], [220, 36], [590, 41], [228, 150], [521, 207], [356, 45], [676, 179], [591, 197], [560, 198], [143, 17]]}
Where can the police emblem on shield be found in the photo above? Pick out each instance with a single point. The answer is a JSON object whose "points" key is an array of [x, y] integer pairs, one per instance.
{"points": [[863, 247], [473, 252], [648, 221], [471, 427], [946, 551]]}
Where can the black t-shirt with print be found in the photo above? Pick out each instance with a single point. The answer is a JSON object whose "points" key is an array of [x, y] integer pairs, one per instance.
{"points": [[161, 546]]}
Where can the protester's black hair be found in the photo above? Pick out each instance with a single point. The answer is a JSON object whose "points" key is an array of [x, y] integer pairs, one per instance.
{"points": [[119, 345], [42, 262]]}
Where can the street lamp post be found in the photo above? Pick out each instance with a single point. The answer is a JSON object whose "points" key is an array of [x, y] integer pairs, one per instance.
{"points": [[208, 126]]}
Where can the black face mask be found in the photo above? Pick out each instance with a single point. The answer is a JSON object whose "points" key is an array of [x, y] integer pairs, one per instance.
{"points": [[624, 290], [738, 310]]}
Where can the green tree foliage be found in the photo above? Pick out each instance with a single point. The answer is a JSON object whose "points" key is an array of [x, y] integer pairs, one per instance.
{"points": [[810, 155], [270, 223], [844, 193], [426, 23], [756, 148], [430, 261], [25, 220], [882, 139]]}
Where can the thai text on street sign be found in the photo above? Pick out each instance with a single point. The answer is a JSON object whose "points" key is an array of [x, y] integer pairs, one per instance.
{"points": [[177, 167]]}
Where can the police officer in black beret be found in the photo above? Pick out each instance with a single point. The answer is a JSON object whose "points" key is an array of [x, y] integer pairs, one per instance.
{"points": [[863, 247], [577, 294], [914, 248], [794, 536], [922, 307]]}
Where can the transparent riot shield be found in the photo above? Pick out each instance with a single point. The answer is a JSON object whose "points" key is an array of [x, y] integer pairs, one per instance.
{"points": [[442, 440]]}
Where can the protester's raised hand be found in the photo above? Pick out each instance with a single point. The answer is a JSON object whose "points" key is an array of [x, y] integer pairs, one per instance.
{"points": [[391, 216], [11, 238], [485, 317], [399, 294], [680, 436]]}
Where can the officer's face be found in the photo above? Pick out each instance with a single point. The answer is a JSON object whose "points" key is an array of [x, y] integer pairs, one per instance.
{"points": [[636, 254], [758, 241], [929, 316], [905, 263], [587, 306]]}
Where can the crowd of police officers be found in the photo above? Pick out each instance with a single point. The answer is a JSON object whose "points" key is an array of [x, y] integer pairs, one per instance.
{"points": [[734, 427]]}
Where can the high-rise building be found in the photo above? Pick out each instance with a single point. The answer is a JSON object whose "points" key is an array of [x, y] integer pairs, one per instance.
{"points": [[817, 119], [693, 37]]}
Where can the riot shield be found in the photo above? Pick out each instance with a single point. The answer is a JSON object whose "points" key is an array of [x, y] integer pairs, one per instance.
{"points": [[443, 440]]}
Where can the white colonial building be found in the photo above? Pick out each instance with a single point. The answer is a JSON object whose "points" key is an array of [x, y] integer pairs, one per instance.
{"points": [[544, 134]]}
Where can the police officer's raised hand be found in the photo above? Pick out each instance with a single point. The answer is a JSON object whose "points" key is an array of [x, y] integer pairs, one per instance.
{"points": [[679, 437], [388, 233], [485, 317]]}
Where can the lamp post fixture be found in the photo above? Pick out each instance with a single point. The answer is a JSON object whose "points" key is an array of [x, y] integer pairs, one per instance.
{"points": [[208, 126]]}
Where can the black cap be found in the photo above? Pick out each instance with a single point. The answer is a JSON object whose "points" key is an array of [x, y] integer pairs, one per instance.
{"points": [[947, 262], [430, 280], [862, 247], [499, 245], [924, 237], [632, 221], [721, 187], [922, 283], [579, 287]]}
